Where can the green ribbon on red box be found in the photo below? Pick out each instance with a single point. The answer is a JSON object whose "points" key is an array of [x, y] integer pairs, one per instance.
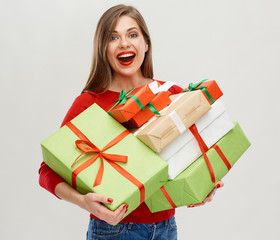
{"points": [[194, 87], [123, 97], [86, 146], [152, 109]]}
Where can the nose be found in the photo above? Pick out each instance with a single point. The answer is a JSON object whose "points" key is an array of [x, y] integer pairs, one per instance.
{"points": [[124, 43]]}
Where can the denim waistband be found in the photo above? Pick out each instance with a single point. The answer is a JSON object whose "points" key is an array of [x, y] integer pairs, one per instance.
{"points": [[132, 226]]}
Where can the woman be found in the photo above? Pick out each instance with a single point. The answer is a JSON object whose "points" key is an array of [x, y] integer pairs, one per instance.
{"points": [[122, 59]]}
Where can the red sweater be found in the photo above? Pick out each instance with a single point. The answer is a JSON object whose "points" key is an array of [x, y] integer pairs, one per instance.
{"points": [[48, 179]]}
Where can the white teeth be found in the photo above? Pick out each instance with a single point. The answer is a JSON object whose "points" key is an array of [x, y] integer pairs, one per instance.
{"points": [[126, 55]]}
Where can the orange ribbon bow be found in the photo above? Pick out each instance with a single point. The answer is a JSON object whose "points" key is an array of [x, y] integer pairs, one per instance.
{"points": [[86, 146]]}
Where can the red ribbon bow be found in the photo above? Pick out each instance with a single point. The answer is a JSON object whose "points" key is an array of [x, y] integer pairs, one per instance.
{"points": [[86, 146]]}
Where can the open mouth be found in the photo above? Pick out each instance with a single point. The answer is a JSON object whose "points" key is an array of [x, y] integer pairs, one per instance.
{"points": [[126, 58]]}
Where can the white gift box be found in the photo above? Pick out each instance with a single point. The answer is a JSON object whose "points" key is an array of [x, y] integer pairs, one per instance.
{"points": [[212, 126]]}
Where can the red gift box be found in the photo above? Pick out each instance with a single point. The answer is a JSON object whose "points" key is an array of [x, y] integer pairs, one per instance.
{"points": [[210, 89], [132, 102], [160, 101]]}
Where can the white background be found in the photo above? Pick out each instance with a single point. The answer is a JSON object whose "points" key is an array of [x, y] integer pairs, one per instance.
{"points": [[45, 57]]}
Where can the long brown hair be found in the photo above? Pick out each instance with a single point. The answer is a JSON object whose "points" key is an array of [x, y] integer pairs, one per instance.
{"points": [[100, 76]]}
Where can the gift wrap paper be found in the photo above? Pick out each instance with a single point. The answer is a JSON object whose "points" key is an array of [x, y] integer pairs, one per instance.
{"points": [[194, 184], [211, 87], [212, 126], [59, 152], [124, 112], [160, 101], [185, 110]]}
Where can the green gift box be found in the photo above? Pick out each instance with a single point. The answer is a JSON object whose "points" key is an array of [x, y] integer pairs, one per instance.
{"points": [[73, 152], [194, 183]]}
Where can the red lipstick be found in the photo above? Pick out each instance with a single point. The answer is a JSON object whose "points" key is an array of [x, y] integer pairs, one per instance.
{"points": [[126, 58]]}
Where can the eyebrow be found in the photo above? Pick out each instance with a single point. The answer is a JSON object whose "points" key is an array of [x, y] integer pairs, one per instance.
{"points": [[132, 28]]}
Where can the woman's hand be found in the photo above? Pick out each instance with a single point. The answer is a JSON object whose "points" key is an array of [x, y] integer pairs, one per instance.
{"points": [[92, 203], [210, 195]]}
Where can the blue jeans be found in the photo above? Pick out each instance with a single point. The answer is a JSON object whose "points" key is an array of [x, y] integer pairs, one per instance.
{"points": [[165, 230]]}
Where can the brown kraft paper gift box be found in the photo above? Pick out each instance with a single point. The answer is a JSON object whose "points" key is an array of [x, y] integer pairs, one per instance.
{"points": [[184, 111]]}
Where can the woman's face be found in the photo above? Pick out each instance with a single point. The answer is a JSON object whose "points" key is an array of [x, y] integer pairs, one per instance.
{"points": [[126, 48]]}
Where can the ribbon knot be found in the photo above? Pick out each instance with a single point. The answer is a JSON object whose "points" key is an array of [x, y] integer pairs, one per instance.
{"points": [[91, 148], [86, 146], [194, 87], [123, 96]]}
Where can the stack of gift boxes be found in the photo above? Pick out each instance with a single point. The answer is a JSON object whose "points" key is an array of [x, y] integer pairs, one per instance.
{"points": [[179, 147]]}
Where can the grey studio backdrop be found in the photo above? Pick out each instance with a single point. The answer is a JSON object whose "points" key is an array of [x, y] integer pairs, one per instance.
{"points": [[46, 49]]}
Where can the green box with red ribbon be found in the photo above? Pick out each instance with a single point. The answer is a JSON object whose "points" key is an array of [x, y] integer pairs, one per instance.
{"points": [[95, 153], [194, 184]]}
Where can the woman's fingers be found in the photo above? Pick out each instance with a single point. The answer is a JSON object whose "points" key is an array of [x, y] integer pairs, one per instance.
{"points": [[112, 217], [219, 184], [121, 210], [196, 205], [99, 198], [99, 210], [210, 195], [119, 213]]}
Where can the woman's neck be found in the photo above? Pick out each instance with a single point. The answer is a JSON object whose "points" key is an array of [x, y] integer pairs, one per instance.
{"points": [[128, 82]]}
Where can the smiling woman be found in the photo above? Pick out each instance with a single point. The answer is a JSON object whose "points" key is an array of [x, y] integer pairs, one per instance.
{"points": [[122, 59], [126, 52], [120, 30]]}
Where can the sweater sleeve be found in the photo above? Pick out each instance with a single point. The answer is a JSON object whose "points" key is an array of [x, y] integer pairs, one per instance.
{"points": [[48, 179]]}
